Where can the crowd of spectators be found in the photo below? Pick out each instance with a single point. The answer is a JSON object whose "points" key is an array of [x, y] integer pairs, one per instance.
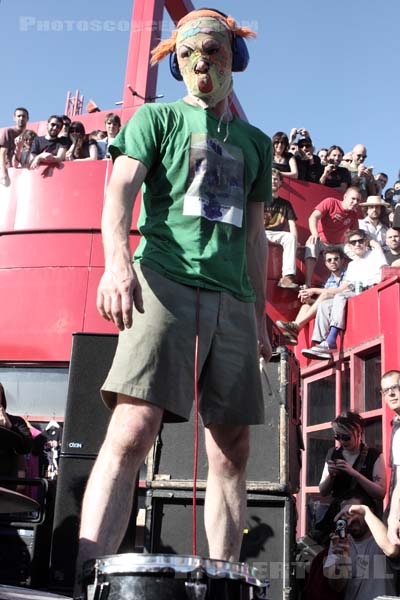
{"points": [[295, 156], [65, 140]]}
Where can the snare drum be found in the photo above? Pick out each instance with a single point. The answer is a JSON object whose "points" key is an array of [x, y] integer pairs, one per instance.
{"points": [[170, 577]]}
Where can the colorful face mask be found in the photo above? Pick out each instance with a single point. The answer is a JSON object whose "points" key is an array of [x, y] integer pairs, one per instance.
{"points": [[204, 52]]}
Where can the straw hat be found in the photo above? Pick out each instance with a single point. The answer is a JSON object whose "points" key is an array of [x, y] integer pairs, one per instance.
{"points": [[374, 201]]}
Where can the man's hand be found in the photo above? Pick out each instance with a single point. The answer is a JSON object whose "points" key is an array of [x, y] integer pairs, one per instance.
{"points": [[332, 470], [313, 239], [344, 467], [341, 548], [394, 530], [119, 289], [349, 509], [264, 343], [5, 180]]}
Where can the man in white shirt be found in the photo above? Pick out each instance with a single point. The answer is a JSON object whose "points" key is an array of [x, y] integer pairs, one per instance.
{"points": [[390, 389], [363, 272], [373, 223]]}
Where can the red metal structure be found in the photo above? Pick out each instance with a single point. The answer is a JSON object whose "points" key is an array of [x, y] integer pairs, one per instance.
{"points": [[51, 260]]}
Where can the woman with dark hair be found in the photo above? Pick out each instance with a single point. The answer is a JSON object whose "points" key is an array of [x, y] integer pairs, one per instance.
{"points": [[350, 467], [22, 153], [283, 160], [351, 464], [14, 444], [82, 148]]}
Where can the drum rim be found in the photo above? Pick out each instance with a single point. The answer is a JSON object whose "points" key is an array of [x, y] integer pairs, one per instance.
{"points": [[114, 564]]}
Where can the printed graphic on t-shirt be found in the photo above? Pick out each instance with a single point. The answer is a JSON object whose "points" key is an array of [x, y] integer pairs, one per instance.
{"points": [[342, 219], [215, 181]]}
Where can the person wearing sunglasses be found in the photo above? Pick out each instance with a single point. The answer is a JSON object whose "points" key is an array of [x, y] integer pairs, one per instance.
{"points": [[334, 175], [390, 390], [49, 149], [360, 174], [283, 160], [311, 298], [308, 163], [82, 148], [376, 220], [350, 465], [363, 272]]}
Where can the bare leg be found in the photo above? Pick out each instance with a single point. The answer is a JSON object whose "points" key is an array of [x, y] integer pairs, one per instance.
{"points": [[225, 504], [303, 316], [109, 493]]}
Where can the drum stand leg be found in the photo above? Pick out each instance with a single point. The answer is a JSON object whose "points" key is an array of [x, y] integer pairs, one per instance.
{"points": [[102, 590]]}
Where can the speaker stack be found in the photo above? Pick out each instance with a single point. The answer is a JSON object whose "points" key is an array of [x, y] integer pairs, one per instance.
{"points": [[86, 421], [273, 472], [273, 476]]}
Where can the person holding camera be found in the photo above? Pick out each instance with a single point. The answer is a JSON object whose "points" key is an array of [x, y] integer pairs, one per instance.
{"points": [[360, 174], [308, 163], [351, 464], [357, 563], [334, 175]]}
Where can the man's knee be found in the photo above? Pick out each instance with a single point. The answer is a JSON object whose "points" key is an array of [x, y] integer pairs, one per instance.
{"points": [[133, 426], [227, 449]]}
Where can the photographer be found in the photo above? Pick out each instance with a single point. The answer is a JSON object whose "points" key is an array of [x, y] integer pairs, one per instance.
{"points": [[357, 563], [360, 174], [12, 446], [334, 175], [308, 163]]}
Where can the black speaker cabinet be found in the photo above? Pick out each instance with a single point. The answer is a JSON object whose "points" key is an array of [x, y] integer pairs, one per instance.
{"points": [[86, 416], [86, 421], [268, 540], [73, 475], [17, 549], [275, 456]]}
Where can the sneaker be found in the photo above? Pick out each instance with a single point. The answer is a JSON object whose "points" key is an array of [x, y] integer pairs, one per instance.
{"points": [[289, 330], [288, 282], [322, 351]]}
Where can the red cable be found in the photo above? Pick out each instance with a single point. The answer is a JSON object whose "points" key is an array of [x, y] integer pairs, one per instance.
{"points": [[196, 426]]}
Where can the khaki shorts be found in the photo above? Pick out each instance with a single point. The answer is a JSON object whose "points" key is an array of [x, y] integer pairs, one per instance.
{"points": [[154, 360]]}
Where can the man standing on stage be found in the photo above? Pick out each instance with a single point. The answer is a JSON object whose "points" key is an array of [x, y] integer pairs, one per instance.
{"points": [[199, 268]]}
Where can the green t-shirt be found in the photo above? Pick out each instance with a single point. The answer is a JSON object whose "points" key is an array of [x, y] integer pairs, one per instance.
{"points": [[193, 213]]}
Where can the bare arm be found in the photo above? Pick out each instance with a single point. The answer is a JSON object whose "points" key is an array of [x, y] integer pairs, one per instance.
{"points": [[378, 530], [313, 220], [4, 178], [376, 488], [293, 173], [393, 519], [327, 478], [93, 153], [256, 254], [119, 289], [376, 527]]}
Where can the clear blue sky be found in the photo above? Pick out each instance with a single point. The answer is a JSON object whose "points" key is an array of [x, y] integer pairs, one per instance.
{"points": [[331, 67]]}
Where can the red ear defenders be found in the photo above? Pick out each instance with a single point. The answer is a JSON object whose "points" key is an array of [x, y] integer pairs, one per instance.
{"points": [[240, 58]]}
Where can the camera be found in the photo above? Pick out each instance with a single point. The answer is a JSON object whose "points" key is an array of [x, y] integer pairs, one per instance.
{"points": [[341, 528]]}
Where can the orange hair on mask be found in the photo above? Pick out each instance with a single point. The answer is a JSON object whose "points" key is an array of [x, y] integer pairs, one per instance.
{"points": [[165, 47]]}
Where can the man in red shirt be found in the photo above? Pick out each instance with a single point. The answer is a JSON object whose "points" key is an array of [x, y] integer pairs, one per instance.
{"points": [[328, 223]]}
